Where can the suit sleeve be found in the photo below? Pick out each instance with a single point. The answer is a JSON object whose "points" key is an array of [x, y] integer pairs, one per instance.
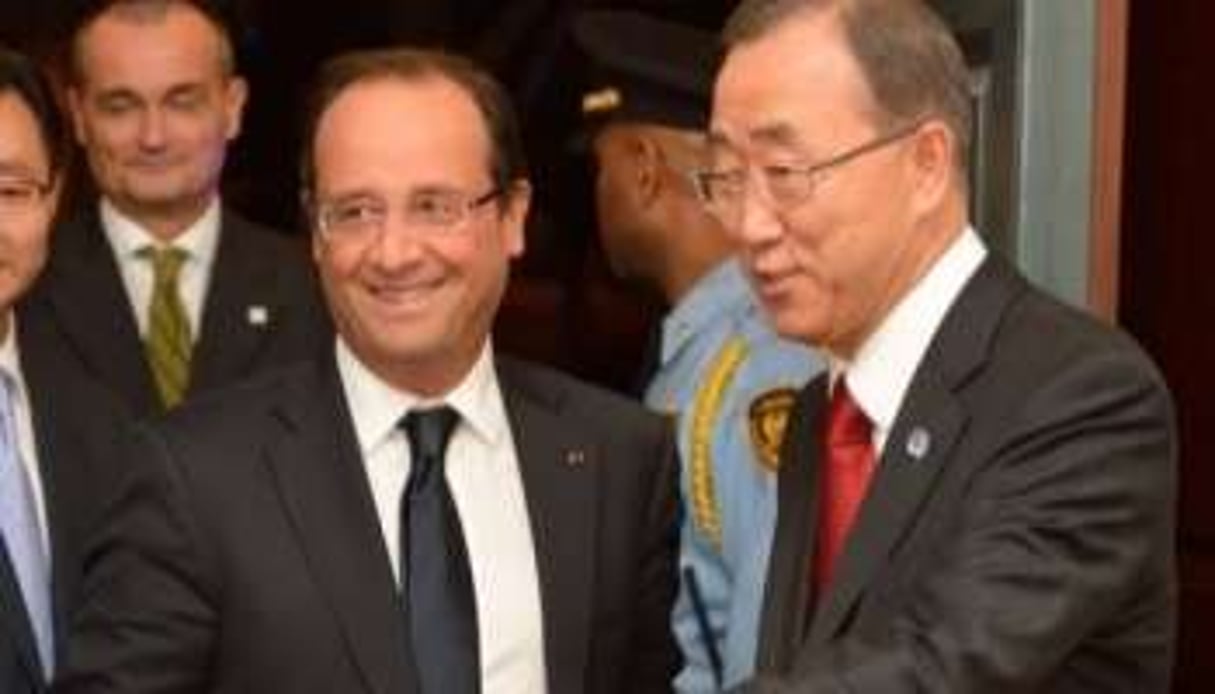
{"points": [[1066, 530], [148, 617]]}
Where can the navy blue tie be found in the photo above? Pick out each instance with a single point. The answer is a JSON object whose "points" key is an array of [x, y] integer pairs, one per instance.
{"points": [[440, 604]]}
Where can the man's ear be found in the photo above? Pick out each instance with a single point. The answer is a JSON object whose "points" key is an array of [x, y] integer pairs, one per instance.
{"points": [[75, 104], [236, 94], [514, 217], [649, 162], [933, 165]]}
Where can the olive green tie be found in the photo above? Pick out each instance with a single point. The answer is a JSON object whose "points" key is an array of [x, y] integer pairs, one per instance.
{"points": [[168, 341]]}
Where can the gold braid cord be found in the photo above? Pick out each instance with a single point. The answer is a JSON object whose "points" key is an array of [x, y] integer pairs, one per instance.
{"points": [[704, 415]]}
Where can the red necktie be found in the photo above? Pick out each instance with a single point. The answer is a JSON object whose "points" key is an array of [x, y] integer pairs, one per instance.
{"points": [[848, 462]]}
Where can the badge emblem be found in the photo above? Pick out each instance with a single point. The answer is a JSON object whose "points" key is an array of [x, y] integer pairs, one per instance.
{"points": [[768, 420]]}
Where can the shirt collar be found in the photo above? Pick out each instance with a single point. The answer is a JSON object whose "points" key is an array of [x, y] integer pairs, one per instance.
{"points": [[880, 374], [702, 305], [377, 407], [128, 237]]}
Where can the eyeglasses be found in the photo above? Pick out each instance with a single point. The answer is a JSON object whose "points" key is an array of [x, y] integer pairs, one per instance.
{"points": [[21, 196], [434, 212], [785, 187]]}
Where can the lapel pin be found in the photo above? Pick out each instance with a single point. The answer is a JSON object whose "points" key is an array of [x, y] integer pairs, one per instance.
{"points": [[918, 443], [257, 315], [575, 458]]}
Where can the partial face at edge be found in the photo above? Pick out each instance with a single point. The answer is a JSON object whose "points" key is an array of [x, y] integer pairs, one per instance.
{"points": [[24, 223]]}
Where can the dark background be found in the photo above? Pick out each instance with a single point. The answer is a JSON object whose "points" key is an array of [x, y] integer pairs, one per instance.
{"points": [[1168, 288], [562, 307]]}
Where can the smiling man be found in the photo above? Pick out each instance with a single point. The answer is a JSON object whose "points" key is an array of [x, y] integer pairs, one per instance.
{"points": [[411, 513], [980, 498], [159, 289]]}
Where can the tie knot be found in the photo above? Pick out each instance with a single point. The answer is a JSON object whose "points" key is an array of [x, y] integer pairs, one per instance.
{"points": [[166, 262], [428, 432], [846, 421]]}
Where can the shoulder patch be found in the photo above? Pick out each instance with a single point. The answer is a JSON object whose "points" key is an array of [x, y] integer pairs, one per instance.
{"points": [[768, 418]]}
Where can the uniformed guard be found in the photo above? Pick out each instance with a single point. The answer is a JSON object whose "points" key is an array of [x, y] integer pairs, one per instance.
{"points": [[722, 372]]}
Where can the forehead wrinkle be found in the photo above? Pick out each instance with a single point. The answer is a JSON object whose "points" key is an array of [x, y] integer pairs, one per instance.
{"points": [[766, 136]]}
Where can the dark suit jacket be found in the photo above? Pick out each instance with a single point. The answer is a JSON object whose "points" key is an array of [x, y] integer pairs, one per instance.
{"points": [[81, 295], [1029, 548], [259, 566], [78, 431]]}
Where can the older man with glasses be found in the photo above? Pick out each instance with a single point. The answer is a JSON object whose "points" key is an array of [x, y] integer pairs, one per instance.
{"points": [[979, 497]]}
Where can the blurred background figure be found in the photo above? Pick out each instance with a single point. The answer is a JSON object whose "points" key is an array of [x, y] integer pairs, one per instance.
{"points": [[718, 367], [157, 288]]}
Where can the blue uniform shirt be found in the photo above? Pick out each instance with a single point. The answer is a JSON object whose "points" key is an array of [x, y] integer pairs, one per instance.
{"points": [[729, 380]]}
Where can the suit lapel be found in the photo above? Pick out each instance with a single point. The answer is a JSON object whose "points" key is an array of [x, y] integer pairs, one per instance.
{"points": [[63, 491], [787, 594], [239, 295], [558, 469], [52, 404], [318, 468], [904, 478], [13, 619], [930, 422], [92, 308]]}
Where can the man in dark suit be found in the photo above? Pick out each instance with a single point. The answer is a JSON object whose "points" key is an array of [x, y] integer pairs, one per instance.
{"points": [[58, 434], [158, 289], [302, 539], [980, 496]]}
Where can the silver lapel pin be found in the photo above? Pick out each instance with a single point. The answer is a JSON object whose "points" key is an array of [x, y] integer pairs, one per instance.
{"points": [[919, 441], [257, 315]]}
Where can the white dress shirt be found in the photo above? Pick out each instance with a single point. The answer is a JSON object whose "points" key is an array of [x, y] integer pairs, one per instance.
{"points": [[10, 365], [881, 372], [482, 471], [127, 239]]}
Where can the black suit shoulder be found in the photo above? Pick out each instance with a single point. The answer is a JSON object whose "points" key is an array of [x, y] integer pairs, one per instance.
{"points": [[596, 407], [1045, 486], [1018, 344], [263, 307]]}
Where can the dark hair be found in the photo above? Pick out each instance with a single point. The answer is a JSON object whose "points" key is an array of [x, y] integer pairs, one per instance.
{"points": [[21, 77], [507, 163], [145, 12], [912, 63]]}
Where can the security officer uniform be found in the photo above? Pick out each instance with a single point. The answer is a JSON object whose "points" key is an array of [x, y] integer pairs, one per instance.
{"points": [[730, 382]]}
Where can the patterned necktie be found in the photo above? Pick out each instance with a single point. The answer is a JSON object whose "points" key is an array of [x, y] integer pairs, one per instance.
{"points": [[437, 580], [21, 533], [848, 464], [168, 342]]}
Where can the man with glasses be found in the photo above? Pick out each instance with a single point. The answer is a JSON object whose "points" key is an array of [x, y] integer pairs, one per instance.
{"points": [[411, 513], [722, 372], [159, 290], [979, 497], [59, 434]]}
